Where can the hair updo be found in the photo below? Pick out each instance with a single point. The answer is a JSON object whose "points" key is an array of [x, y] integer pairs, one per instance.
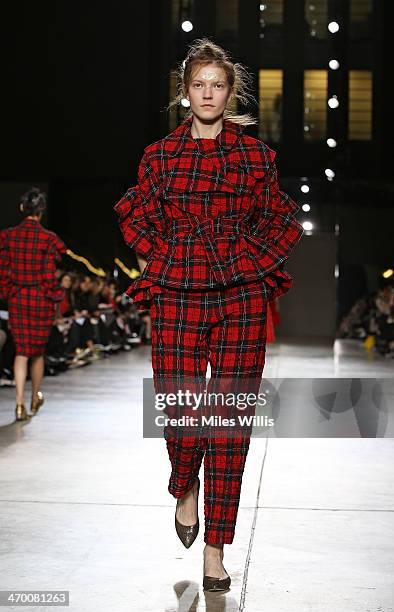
{"points": [[33, 202], [202, 52]]}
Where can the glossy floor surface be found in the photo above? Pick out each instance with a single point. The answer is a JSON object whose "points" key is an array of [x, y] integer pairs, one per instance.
{"points": [[84, 505]]}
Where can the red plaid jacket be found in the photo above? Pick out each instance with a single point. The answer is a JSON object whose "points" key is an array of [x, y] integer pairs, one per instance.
{"points": [[28, 254], [208, 213]]}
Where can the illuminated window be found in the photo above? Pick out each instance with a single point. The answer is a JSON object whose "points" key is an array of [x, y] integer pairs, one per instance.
{"points": [[316, 18], [360, 19], [270, 113], [271, 19], [175, 13], [315, 104], [226, 19], [360, 105], [271, 11]]}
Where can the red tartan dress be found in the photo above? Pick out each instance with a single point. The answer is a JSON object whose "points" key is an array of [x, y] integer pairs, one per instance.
{"points": [[208, 215], [28, 253]]}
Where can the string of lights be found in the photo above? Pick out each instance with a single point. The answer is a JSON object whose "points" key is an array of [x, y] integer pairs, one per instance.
{"points": [[334, 128], [86, 262], [133, 273], [338, 16], [130, 272]]}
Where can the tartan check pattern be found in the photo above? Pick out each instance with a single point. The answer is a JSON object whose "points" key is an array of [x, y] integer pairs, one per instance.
{"points": [[228, 328], [28, 254], [208, 214]]}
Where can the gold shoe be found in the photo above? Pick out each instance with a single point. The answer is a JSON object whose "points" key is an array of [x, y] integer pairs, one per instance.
{"points": [[188, 533], [20, 413], [35, 404]]}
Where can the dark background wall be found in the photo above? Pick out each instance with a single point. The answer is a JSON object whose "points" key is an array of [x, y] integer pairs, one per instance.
{"points": [[77, 88], [312, 268], [81, 90]]}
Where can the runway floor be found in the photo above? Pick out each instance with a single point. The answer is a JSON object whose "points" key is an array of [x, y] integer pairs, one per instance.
{"points": [[84, 504]]}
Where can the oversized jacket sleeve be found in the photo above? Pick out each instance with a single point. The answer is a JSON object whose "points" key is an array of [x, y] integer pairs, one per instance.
{"points": [[5, 279], [275, 231], [140, 214], [50, 283]]}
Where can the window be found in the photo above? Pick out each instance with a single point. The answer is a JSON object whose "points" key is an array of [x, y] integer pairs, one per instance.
{"points": [[360, 19], [270, 113], [226, 19], [271, 33], [315, 104], [271, 12], [175, 13], [316, 19], [360, 105]]}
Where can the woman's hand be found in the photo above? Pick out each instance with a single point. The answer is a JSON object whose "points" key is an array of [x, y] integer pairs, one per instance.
{"points": [[142, 263]]}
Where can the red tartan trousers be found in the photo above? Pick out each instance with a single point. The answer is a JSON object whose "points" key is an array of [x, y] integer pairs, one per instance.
{"points": [[226, 328]]}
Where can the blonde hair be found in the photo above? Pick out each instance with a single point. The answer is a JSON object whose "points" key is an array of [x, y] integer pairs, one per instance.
{"points": [[202, 52]]}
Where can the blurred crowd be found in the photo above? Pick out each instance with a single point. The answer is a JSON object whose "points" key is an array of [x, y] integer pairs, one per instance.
{"points": [[371, 319], [93, 321]]}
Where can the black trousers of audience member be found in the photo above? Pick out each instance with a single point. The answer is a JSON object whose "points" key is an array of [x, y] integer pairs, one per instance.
{"points": [[386, 332], [56, 346], [78, 335], [101, 333], [7, 353]]}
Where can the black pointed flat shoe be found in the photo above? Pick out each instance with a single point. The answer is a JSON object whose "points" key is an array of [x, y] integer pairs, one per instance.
{"points": [[188, 533], [216, 584]]}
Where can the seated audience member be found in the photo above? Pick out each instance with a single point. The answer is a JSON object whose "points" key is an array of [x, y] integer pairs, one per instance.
{"points": [[65, 307], [372, 316], [7, 349], [83, 302], [384, 322]]}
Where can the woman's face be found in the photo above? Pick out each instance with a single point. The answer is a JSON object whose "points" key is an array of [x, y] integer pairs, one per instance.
{"points": [[66, 282], [208, 92]]}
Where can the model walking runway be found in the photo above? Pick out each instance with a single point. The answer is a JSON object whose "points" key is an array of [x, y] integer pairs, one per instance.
{"points": [[212, 231]]}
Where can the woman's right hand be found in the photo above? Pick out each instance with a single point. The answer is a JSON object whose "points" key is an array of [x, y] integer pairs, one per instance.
{"points": [[142, 263]]}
